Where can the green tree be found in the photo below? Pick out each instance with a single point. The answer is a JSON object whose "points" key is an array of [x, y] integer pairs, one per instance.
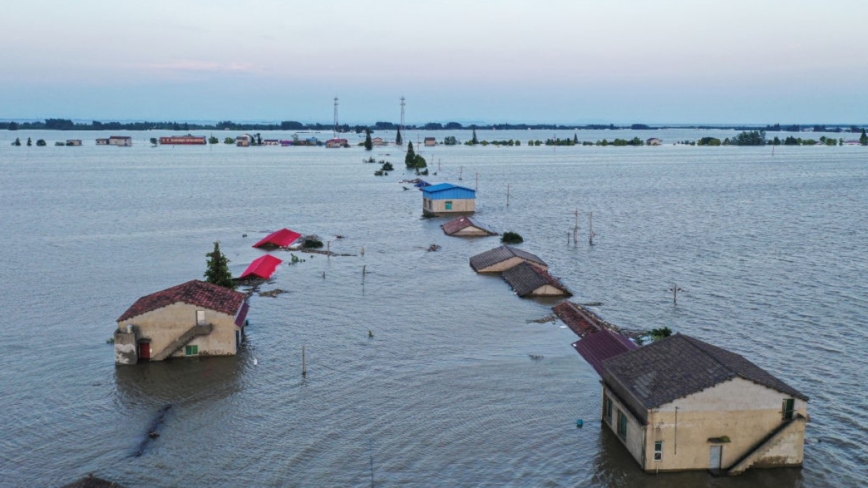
{"points": [[863, 139], [154, 141], [474, 141], [230, 140], [40, 142], [29, 142], [17, 142], [450, 140], [213, 140], [217, 271], [368, 143], [410, 158], [14, 126], [398, 139]]}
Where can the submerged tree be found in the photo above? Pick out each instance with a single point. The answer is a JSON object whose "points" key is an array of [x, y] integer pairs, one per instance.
{"points": [[863, 139], [217, 271], [410, 158], [474, 141], [398, 139], [368, 143]]}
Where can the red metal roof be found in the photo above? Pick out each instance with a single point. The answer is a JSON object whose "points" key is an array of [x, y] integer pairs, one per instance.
{"points": [[194, 292], [281, 238], [579, 319], [602, 345], [262, 267]]}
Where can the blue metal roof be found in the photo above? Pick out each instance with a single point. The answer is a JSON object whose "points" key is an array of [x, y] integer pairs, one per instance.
{"points": [[447, 190]]}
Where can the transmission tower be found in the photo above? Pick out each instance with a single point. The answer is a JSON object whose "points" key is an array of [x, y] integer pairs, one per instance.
{"points": [[402, 113], [336, 118]]}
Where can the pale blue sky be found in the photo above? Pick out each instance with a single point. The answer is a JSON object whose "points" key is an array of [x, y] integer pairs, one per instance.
{"points": [[570, 61]]}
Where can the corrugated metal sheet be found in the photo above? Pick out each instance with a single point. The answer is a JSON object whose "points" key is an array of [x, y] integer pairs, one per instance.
{"points": [[447, 191], [602, 345], [579, 319], [242, 314], [280, 238], [262, 267]]}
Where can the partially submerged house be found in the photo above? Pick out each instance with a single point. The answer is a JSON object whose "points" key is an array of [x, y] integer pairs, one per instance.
{"points": [[653, 141], [578, 318], [191, 319], [430, 141], [464, 226], [281, 238], [262, 268], [378, 141], [529, 280], [123, 141], [447, 199], [334, 143], [682, 404], [502, 258]]}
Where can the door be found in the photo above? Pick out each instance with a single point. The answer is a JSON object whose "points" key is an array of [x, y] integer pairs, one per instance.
{"points": [[144, 350], [714, 453]]}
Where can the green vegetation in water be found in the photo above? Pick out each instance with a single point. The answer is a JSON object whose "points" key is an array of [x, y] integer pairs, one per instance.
{"points": [[511, 238], [312, 242], [368, 143], [40, 142], [413, 160], [154, 141], [229, 140], [217, 268], [213, 140]]}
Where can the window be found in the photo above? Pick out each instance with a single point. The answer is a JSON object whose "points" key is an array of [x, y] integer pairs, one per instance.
{"points": [[789, 406], [622, 425], [607, 408], [191, 350], [448, 204], [200, 317], [658, 450]]}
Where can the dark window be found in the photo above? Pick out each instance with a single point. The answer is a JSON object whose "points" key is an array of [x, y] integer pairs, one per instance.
{"points": [[191, 350], [607, 408], [658, 450], [789, 406], [622, 425]]}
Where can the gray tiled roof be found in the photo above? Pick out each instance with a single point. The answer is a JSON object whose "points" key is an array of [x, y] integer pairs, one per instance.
{"points": [[681, 365], [525, 278], [499, 254]]}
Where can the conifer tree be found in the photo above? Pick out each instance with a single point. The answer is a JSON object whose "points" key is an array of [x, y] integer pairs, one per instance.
{"points": [[398, 139], [368, 143], [217, 271], [410, 158], [863, 139], [474, 141]]}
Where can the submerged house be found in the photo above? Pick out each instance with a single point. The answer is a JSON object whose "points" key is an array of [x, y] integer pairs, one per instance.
{"points": [[682, 404], [502, 258], [191, 319], [430, 141], [602, 345], [529, 280], [123, 141], [446, 199], [262, 268], [281, 238], [464, 226], [653, 141]]}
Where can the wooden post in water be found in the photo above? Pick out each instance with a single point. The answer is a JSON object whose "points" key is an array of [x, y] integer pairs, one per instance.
{"points": [[591, 228], [576, 228], [303, 364], [476, 188], [328, 249], [507, 194], [460, 172], [438, 164], [675, 289]]}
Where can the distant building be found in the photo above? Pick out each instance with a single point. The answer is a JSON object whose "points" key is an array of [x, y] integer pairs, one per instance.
{"points": [[187, 140], [378, 141], [73, 142], [285, 143], [102, 142], [528, 280], [464, 226], [270, 142], [430, 141], [243, 140], [502, 258], [653, 142], [124, 141], [446, 199], [191, 319], [682, 404], [333, 143]]}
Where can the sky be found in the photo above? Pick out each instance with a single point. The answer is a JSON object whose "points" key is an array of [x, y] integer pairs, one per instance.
{"points": [[484, 61]]}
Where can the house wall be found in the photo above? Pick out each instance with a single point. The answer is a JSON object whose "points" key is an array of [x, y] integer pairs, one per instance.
{"points": [[739, 409], [635, 439], [438, 207], [165, 325], [125, 346], [505, 265], [470, 232], [547, 290]]}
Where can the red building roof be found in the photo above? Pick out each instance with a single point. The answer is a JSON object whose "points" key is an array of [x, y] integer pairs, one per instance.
{"points": [[602, 345], [262, 267], [281, 238], [579, 319], [194, 292]]}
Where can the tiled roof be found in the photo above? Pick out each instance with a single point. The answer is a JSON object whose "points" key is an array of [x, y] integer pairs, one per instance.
{"points": [[579, 319], [500, 254], [464, 222], [525, 278], [602, 345], [678, 366], [194, 292]]}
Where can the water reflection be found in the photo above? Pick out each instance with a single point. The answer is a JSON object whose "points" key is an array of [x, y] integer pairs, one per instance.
{"points": [[615, 467]]}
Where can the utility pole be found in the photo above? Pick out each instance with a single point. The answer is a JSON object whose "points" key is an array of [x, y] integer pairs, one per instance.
{"points": [[576, 227], [335, 130], [675, 289], [507, 194], [402, 113], [591, 228]]}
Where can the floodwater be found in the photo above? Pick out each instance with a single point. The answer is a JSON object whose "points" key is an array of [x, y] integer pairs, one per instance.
{"points": [[769, 250]]}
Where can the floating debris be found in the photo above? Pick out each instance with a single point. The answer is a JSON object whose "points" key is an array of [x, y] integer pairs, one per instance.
{"points": [[536, 357], [272, 293], [543, 320], [433, 248]]}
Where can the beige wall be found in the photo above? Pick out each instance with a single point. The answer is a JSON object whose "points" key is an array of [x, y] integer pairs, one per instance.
{"points": [[470, 232], [635, 439], [166, 324], [739, 409], [505, 265], [547, 290], [438, 207]]}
